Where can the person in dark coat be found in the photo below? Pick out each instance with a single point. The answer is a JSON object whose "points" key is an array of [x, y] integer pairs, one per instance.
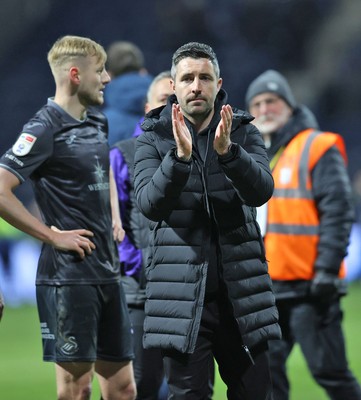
{"points": [[307, 226], [125, 95], [200, 170], [148, 363]]}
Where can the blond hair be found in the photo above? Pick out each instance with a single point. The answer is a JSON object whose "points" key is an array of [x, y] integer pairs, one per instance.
{"points": [[68, 48]]}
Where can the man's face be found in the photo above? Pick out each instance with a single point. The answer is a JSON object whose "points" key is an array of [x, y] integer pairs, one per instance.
{"points": [[159, 94], [93, 78], [271, 112], [196, 86]]}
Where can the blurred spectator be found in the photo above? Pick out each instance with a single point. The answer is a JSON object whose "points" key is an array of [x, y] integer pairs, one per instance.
{"points": [[148, 363], [17, 285], [126, 93], [2, 305], [353, 259], [17, 272], [9, 236]]}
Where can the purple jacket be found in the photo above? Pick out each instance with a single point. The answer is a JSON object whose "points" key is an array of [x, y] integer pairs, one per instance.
{"points": [[130, 256]]}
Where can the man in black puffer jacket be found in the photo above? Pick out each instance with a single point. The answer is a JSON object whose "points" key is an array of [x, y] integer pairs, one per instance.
{"points": [[200, 169]]}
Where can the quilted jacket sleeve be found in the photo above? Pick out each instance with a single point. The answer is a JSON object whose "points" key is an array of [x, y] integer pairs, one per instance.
{"points": [[158, 182], [248, 169]]}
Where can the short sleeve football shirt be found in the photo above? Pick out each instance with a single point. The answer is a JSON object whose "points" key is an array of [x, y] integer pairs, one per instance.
{"points": [[67, 161]]}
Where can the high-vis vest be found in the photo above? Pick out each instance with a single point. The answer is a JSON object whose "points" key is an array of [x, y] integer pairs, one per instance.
{"points": [[292, 218]]}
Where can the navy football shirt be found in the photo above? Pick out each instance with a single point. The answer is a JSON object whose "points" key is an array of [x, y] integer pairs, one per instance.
{"points": [[68, 163]]}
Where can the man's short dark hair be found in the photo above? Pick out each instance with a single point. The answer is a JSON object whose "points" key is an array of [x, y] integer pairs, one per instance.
{"points": [[195, 50], [124, 57]]}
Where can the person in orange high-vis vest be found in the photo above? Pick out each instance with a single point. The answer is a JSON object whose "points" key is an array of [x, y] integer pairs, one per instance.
{"points": [[293, 217], [306, 227]]}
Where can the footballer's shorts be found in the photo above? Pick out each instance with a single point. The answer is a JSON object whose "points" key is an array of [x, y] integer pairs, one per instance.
{"points": [[84, 323]]}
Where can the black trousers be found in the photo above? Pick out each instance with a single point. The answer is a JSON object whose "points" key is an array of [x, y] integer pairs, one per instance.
{"points": [[148, 363], [316, 327], [191, 376]]}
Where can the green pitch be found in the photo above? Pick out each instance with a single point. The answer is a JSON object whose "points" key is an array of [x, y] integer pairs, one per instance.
{"points": [[23, 374]]}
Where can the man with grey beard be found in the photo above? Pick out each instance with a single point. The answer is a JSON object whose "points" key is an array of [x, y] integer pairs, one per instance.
{"points": [[306, 226]]}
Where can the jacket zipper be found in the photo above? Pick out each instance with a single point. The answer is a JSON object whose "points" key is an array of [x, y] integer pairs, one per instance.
{"points": [[247, 351]]}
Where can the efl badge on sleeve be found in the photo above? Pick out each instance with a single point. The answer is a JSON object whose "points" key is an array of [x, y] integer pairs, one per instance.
{"points": [[24, 144]]}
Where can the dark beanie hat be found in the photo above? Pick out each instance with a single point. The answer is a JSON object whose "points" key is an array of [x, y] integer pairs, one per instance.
{"points": [[271, 81]]}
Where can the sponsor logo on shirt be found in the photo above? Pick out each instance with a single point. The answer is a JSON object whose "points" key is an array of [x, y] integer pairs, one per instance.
{"points": [[24, 144], [100, 174], [13, 158], [45, 331], [95, 187], [70, 139]]}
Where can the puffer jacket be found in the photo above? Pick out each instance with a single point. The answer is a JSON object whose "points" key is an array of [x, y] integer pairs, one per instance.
{"points": [[183, 200]]}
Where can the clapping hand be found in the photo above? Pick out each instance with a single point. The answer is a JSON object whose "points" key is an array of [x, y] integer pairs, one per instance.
{"points": [[222, 139], [181, 134]]}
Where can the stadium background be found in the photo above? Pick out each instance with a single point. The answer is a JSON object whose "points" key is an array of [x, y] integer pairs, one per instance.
{"points": [[315, 43]]}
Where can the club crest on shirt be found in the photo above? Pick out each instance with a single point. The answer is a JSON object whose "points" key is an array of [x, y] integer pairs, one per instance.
{"points": [[24, 144]]}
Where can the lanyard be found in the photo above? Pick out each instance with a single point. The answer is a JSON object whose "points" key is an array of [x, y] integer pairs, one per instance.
{"points": [[276, 157]]}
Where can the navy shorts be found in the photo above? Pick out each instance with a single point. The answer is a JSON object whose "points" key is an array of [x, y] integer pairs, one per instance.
{"points": [[84, 323]]}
